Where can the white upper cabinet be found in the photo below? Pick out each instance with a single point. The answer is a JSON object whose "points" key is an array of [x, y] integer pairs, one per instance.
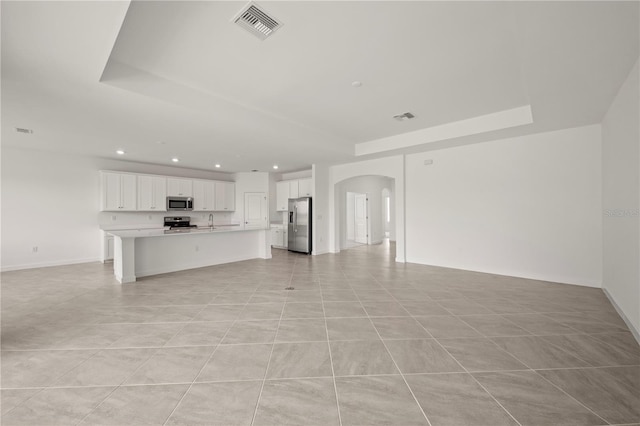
{"points": [[305, 187], [152, 193], [118, 191], [180, 187], [204, 195], [282, 196], [132, 191], [293, 189], [225, 196]]}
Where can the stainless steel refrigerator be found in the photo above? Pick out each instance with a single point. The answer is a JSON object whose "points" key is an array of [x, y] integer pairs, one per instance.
{"points": [[299, 228]]}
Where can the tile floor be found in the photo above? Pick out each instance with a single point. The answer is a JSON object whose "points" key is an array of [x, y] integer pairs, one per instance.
{"points": [[360, 341]]}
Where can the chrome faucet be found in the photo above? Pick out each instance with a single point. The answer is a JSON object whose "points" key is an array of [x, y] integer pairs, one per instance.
{"points": [[211, 220]]}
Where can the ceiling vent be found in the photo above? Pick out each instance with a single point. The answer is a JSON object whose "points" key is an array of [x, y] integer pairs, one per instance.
{"points": [[404, 117], [255, 20]]}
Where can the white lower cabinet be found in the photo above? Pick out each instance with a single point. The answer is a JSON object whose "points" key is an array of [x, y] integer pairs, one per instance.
{"points": [[108, 248], [279, 236], [277, 239]]}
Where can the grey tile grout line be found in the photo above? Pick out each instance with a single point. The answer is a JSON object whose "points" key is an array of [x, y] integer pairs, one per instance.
{"points": [[273, 344], [540, 375], [463, 367], [396, 365], [302, 378], [199, 371], [525, 364], [333, 372], [116, 387], [480, 336]]}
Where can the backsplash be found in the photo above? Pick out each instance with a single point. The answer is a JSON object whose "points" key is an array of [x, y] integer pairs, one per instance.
{"points": [[157, 218]]}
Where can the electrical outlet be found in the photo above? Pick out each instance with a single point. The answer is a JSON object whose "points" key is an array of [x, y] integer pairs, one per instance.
{"points": [[114, 217], [35, 249], [150, 217], [197, 248]]}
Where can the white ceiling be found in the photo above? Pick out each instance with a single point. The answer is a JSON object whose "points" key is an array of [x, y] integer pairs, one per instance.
{"points": [[92, 77]]}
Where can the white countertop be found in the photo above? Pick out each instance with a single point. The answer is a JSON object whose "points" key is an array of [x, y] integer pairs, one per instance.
{"points": [[162, 232]]}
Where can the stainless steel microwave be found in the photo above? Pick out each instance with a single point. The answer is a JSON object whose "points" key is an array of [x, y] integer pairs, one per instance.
{"points": [[179, 203]]}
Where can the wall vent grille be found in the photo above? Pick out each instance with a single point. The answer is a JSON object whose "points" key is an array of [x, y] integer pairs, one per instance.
{"points": [[257, 21]]}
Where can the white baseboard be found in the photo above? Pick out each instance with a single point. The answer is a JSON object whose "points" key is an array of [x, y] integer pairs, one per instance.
{"points": [[556, 279], [49, 264], [632, 328], [317, 253]]}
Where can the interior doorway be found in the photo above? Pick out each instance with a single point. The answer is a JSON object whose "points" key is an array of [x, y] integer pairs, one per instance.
{"points": [[357, 216], [255, 210]]}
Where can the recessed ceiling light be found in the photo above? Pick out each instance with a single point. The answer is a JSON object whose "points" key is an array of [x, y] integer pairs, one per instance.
{"points": [[217, 166], [120, 152], [356, 83], [175, 160], [275, 166]]}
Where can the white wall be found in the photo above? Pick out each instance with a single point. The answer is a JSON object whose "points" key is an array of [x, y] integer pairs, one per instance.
{"points": [[51, 200], [320, 206], [392, 167], [621, 200], [350, 216], [527, 206], [391, 226]]}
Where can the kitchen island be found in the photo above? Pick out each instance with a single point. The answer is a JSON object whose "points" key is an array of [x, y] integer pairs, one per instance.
{"points": [[144, 252]]}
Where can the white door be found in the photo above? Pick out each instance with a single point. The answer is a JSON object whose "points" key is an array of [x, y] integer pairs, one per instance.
{"points": [[360, 218], [255, 210]]}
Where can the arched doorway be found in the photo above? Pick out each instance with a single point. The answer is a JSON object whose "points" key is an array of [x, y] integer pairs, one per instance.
{"points": [[360, 210]]}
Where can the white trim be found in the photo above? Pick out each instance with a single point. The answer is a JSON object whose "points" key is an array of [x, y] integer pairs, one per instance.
{"points": [[49, 264], [471, 126], [517, 274], [634, 331]]}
